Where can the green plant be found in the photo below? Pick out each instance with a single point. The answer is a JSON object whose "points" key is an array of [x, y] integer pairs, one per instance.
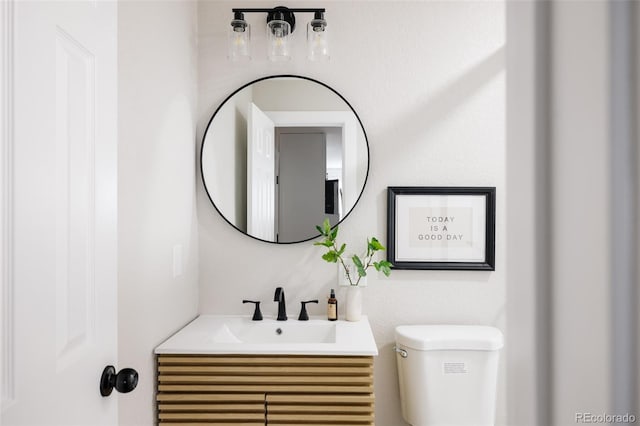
{"points": [[335, 254]]}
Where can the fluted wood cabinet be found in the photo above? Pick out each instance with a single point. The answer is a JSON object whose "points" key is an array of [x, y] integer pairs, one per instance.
{"points": [[236, 390]]}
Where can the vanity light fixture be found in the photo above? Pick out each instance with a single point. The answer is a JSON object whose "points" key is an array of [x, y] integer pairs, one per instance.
{"points": [[239, 38], [281, 23]]}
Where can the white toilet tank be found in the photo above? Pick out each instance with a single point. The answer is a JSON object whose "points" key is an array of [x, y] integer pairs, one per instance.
{"points": [[448, 374]]}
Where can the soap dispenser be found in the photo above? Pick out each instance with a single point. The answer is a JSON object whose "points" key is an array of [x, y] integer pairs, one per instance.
{"points": [[332, 307]]}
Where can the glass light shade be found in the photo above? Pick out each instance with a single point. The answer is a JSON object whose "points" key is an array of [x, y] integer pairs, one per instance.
{"points": [[278, 40], [317, 41], [239, 41]]}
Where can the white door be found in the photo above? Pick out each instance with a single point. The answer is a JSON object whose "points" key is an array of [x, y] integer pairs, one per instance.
{"points": [[63, 208], [261, 175]]}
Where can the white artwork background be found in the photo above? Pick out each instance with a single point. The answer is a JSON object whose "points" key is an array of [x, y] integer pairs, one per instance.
{"points": [[440, 228]]}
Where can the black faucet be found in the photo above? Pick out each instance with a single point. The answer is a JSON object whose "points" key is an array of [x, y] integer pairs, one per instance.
{"points": [[282, 309]]}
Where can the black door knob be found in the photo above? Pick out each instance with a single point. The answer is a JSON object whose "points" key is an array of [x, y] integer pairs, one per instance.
{"points": [[124, 381]]}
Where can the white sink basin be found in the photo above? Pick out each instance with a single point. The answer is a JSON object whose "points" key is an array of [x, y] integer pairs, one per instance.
{"points": [[278, 332], [226, 334]]}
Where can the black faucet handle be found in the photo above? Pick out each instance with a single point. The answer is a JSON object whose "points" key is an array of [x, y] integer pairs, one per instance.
{"points": [[304, 316], [257, 315]]}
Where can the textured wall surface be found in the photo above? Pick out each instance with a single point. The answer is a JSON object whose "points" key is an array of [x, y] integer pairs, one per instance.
{"points": [[430, 91], [156, 197]]}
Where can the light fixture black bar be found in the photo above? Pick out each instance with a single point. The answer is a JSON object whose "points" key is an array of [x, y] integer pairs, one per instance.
{"points": [[259, 10]]}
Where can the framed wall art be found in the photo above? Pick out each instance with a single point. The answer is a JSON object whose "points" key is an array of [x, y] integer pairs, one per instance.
{"points": [[447, 228]]}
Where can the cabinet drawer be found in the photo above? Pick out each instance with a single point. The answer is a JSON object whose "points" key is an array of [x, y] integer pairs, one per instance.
{"points": [[337, 409], [250, 390], [211, 409]]}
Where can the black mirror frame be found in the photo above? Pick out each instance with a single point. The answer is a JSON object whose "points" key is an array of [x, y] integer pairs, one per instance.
{"points": [[366, 139]]}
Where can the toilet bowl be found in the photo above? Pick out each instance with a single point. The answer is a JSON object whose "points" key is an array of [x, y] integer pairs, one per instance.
{"points": [[448, 374]]}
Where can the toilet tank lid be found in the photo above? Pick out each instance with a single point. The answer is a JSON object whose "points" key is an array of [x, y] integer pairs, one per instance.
{"points": [[452, 337]]}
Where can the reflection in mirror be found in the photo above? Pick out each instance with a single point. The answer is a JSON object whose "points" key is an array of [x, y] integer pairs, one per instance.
{"points": [[280, 155]]}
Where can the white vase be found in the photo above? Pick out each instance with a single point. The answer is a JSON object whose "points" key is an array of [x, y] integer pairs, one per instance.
{"points": [[354, 303]]}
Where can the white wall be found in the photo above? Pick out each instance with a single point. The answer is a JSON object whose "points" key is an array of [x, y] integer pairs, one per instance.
{"points": [[157, 92], [296, 95], [225, 166], [430, 91], [580, 271], [528, 309], [571, 149]]}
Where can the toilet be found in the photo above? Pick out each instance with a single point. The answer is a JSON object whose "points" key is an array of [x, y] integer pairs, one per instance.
{"points": [[448, 374]]}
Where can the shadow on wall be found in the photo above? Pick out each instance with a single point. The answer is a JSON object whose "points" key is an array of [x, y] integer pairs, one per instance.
{"points": [[415, 121], [386, 360]]}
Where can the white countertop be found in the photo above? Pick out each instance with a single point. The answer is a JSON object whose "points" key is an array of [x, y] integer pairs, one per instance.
{"points": [[232, 334]]}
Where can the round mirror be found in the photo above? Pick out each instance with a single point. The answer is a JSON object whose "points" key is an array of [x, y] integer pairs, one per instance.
{"points": [[280, 155]]}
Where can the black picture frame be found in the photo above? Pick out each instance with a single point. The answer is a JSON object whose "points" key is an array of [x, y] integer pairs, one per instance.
{"points": [[396, 193]]}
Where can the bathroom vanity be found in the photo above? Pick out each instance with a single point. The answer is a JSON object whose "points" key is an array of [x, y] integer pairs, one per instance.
{"points": [[228, 370]]}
